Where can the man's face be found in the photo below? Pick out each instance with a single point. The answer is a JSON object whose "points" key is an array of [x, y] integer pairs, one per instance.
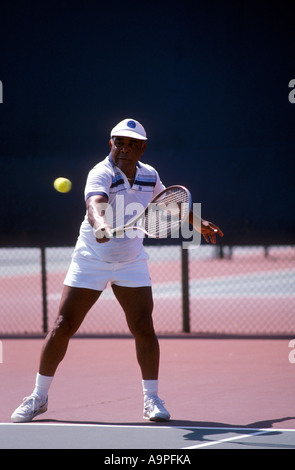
{"points": [[126, 151]]}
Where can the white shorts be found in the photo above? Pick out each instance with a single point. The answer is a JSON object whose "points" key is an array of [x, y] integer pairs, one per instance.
{"points": [[95, 274]]}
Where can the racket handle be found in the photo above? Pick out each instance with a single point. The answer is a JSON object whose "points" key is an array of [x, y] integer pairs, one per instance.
{"points": [[116, 232]]}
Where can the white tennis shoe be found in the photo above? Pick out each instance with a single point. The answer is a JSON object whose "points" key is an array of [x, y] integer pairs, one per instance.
{"points": [[154, 410], [30, 408], [33, 406]]}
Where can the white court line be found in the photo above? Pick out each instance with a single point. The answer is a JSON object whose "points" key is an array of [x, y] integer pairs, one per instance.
{"points": [[221, 441], [256, 432], [153, 426]]}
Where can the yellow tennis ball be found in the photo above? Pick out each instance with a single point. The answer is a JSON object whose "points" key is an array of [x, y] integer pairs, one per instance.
{"points": [[62, 185]]}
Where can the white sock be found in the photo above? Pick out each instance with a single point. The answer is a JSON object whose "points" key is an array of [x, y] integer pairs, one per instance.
{"points": [[42, 385], [150, 388]]}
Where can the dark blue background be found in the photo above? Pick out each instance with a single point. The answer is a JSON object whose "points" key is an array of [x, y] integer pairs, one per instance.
{"points": [[208, 80]]}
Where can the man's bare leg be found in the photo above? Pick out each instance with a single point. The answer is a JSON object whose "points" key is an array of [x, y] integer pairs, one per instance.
{"points": [[74, 305], [137, 304]]}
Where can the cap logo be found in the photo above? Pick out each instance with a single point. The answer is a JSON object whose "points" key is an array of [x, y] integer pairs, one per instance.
{"points": [[131, 124]]}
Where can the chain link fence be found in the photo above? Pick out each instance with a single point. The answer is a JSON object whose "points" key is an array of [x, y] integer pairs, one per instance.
{"points": [[208, 290]]}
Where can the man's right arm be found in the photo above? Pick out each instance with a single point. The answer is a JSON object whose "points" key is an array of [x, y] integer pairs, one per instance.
{"points": [[96, 208]]}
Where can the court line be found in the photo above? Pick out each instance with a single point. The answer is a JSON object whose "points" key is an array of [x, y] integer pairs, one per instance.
{"points": [[256, 432], [152, 426], [221, 441]]}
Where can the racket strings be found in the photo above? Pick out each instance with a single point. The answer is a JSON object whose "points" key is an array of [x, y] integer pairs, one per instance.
{"points": [[167, 212]]}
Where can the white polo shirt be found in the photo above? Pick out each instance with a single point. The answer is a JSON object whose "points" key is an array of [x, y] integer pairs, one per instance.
{"points": [[124, 202]]}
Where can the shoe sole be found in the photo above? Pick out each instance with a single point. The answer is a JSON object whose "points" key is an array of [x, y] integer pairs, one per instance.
{"points": [[157, 419]]}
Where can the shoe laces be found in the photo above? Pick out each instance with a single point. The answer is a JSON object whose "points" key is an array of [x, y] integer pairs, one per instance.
{"points": [[151, 402], [29, 403]]}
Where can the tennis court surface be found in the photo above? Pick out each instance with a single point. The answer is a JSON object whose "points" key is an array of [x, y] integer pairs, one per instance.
{"points": [[221, 393]]}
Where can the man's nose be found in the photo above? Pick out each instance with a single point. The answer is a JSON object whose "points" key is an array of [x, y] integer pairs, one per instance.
{"points": [[125, 148]]}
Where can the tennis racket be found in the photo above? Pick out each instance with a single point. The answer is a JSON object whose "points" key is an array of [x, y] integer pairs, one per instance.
{"points": [[163, 216]]}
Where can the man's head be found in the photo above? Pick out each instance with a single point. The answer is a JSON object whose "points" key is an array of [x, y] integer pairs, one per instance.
{"points": [[128, 143]]}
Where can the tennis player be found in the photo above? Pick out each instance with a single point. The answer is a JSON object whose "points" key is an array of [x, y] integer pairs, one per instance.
{"points": [[99, 259]]}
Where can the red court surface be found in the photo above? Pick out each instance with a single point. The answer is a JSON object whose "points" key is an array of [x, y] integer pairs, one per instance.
{"points": [[206, 383]]}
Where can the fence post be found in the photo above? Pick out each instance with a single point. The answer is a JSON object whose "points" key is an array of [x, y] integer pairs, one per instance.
{"points": [[185, 290], [44, 289]]}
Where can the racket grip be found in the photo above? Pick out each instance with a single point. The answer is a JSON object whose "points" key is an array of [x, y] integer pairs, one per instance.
{"points": [[116, 232]]}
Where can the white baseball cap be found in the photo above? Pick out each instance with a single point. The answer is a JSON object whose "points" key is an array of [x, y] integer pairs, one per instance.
{"points": [[129, 128]]}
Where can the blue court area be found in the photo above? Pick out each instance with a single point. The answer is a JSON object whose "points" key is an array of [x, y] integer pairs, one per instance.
{"points": [[152, 437]]}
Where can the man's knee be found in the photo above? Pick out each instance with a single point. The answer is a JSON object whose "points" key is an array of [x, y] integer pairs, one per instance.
{"points": [[64, 326], [142, 326]]}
